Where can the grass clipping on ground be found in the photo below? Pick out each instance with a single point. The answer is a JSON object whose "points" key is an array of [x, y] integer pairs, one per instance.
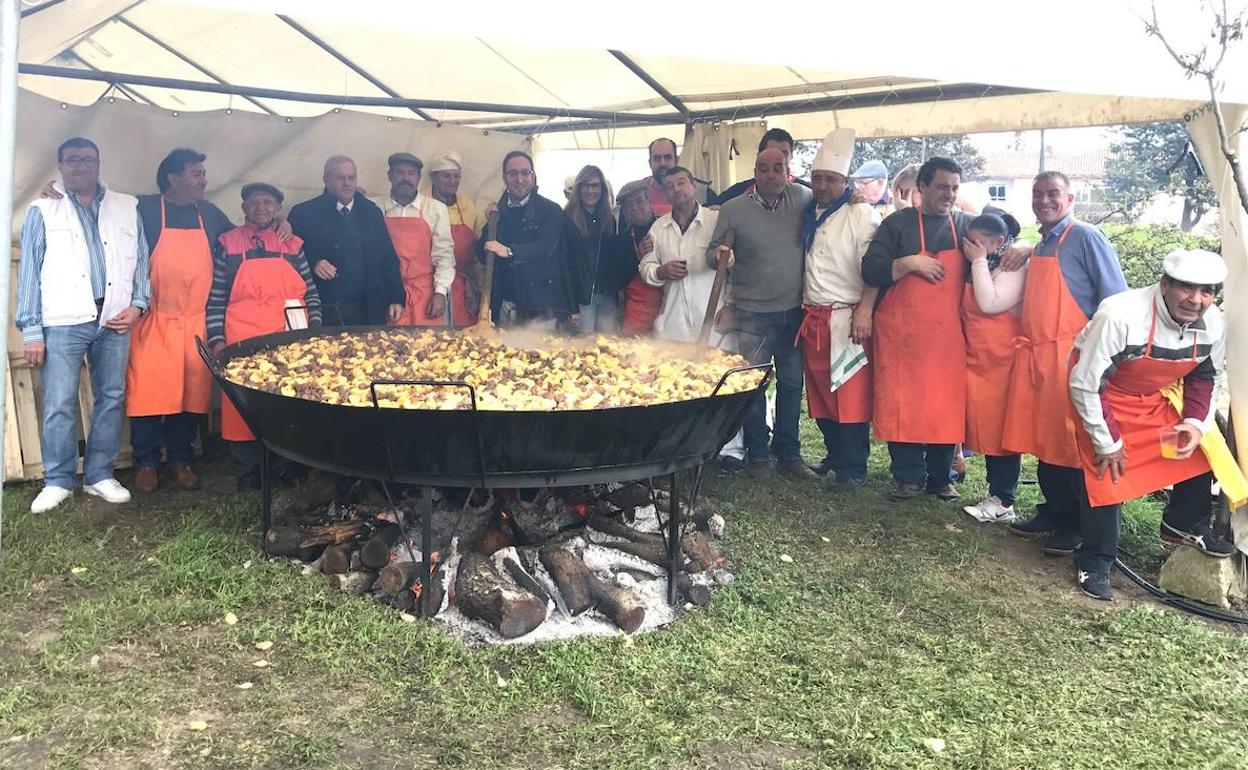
{"points": [[912, 637]]}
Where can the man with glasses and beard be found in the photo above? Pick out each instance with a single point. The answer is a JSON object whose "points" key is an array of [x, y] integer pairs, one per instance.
{"points": [[420, 230]]}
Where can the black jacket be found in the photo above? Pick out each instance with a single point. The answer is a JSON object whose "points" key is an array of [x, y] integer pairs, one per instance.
{"points": [[544, 274], [319, 224]]}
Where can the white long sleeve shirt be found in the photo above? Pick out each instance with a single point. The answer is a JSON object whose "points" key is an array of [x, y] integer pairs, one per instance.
{"points": [[1118, 332], [684, 301], [997, 291], [438, 216], [834, 261]]}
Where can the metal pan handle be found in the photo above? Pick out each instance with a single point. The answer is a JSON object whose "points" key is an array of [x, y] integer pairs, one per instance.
{"points": [[766, 367], [205, 353], [472, 397], [286, 311]]}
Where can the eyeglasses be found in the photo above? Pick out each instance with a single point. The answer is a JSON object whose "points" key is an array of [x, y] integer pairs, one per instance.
{"points": [[518, 173], [81, 160]]}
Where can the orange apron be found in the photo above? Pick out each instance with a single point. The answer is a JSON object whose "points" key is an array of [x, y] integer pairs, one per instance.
{"points": [[257, 306], [1133, 395], [413, 242], [919, 355], [165, 374], [989, 360], [849, 403], [642, 302], [659, 204], [465, 255], [1036, 422]]}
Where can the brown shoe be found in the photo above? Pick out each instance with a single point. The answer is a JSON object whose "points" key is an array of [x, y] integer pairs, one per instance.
{"points": [[796, 469], [185, 477], [146, 479]]}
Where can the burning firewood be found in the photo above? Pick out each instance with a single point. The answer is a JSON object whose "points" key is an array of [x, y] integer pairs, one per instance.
{"points": [[353, 583], [511, 563], [700, 551], [333, 534], [629, 496], [493, 539], [619, 529], [572, 578], [394, 578], [336, 560], [622, 605], [288, 541], [375, 553], [655, 553], [484, 592]]}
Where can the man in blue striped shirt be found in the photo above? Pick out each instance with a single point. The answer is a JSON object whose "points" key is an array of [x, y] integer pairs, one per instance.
{"points": [[82, 283]]}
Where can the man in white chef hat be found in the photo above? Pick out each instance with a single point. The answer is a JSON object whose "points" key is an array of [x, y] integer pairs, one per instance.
{"points": [[838, 308], [1142, 381], [445, 174]]}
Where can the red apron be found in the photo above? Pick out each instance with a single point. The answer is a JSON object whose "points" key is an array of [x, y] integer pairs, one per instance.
{"points": [[852, 401], [465, 255], [413, 242], [257, 306], [1035, 421], [919, 355], [165, 374], [989, 360], [642, 303], [1133, 395]]}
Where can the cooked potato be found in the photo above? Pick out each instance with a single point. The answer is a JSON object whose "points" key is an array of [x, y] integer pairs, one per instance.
{"points": [[560, 374]]}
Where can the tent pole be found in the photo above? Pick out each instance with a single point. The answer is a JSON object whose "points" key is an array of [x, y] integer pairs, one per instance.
{"points": [[10, 19]]}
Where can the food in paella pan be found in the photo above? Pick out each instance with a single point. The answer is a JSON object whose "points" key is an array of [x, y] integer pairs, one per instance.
{"points": [[509, 373]]}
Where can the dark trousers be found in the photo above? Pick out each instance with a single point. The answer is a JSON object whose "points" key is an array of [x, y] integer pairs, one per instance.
{"points": [[246, 456], [764, 337], [925, 465], [175, 433], [1003, 471], [344, 313], [1064, 496], [1100, 526], [848, 445]]}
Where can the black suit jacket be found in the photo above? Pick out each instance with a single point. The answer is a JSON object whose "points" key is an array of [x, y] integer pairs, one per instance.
{"points": [[319, 224]]}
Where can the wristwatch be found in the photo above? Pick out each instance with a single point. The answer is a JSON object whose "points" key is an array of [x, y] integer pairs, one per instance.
{"points": [[509, 252]]}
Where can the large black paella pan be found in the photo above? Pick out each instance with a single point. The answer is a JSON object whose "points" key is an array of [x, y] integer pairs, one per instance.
{"points": [[473, 446]]}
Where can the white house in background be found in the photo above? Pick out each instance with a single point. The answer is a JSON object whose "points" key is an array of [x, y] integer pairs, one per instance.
{"points": [[1005, 181]]}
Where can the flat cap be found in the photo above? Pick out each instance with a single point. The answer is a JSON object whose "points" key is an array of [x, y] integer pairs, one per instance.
{"points": [[1195, 266], [265, 187], [405, 157], [872, 169]]}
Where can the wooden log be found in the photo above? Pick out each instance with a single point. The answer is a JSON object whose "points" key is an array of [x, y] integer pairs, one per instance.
{"points": [[694, 593], [288, 541], [656, 554], [698, 548], [524, 579], [394, 578], [334, 534], [493, 539], [336, 560], [572, 578], [375, 553], [622, 605], [353, 583], [629, 496], [619, 529], [485, 593]]}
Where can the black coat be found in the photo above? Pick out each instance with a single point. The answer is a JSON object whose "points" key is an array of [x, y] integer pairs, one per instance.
{"points": [[319, 224], [542, 276]]}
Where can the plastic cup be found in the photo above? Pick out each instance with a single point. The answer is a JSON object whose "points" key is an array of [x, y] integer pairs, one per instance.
{"points": [[1169, 443]]}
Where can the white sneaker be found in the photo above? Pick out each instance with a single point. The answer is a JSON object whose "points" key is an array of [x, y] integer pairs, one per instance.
{"points": [[49, 497], [108, 490], [991, 510]]}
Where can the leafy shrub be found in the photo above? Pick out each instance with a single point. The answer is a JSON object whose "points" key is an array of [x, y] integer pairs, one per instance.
{"points": [[1141, 248]]}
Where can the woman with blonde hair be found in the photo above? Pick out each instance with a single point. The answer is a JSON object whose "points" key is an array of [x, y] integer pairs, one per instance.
{"points": [[590, 210]]}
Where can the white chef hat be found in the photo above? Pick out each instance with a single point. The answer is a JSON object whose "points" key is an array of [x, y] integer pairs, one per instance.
{"points": [[446, 161], [836, 153], [1195, 266]]}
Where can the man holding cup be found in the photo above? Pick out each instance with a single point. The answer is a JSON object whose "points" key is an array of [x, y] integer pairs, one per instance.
{"points": [[1142, 379]]}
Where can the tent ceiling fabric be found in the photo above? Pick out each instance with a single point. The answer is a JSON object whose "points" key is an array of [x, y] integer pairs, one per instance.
{"points": [[555, 57]]}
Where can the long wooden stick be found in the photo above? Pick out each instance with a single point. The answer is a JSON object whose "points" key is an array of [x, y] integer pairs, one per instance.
{"points": [[712, 305], [483, 314]]}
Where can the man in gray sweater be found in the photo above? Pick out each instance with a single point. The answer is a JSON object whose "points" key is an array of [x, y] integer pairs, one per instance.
{"points": [[764, 302]]}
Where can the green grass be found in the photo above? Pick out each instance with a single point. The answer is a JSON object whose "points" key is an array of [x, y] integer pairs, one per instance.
{"points": [[911, 623]]}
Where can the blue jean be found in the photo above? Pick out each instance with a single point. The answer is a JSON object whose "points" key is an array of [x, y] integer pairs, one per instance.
{"points": [[175, 433], [848, 445], [107, 352], [601, 315], [925, 465], [764, 337], [1003, 471]]}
